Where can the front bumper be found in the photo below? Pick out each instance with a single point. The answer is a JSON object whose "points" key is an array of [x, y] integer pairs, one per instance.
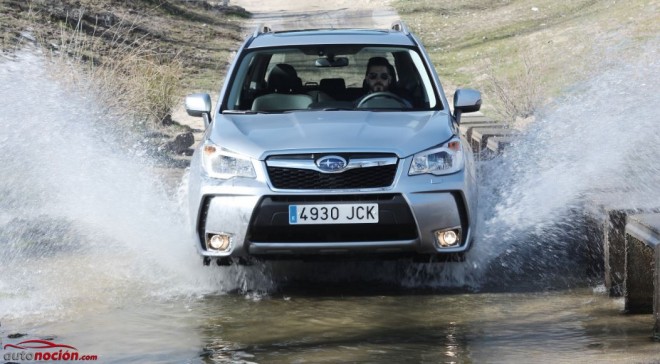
{"points": [[255, 216]]}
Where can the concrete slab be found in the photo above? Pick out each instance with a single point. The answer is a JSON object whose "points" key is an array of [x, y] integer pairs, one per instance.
{"points": [[467, 128], [642, 285], [498, 144], [479, 118], [480, 136], [609, 212]]}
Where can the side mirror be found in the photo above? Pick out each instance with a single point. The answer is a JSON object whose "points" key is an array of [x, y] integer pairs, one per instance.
{"points": [[466, 100], [199, 105]]}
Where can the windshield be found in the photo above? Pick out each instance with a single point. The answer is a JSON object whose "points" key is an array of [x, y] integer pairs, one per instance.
{"points": [[331, 78]]}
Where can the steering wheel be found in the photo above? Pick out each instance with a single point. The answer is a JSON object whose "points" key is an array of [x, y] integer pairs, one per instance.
{"points": [[386, 95]]}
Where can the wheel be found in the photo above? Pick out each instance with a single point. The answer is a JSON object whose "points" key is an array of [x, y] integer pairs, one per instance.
{"points": [[384, 95]]}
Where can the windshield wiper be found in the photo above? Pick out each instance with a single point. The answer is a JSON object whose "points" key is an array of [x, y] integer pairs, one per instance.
{"points": [[245, 112], [385, 109]]}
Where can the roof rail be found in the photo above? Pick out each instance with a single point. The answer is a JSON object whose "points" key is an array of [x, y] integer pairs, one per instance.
{"points": [[400, 26], [261, 29]]}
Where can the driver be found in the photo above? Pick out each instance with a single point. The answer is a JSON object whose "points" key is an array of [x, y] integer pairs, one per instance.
{"points": [[379, 78], [380, 75]]}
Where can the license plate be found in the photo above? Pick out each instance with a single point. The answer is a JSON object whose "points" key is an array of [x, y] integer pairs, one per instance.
{"points": [[359, 213]]}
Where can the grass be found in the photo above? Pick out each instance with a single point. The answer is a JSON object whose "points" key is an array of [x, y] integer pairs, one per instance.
{"points": [[520, 53], [125, 73], [140, 56]]}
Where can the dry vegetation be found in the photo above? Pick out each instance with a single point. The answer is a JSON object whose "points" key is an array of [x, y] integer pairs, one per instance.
{"points": [[520, 53], [128, 75], [137, 56]]}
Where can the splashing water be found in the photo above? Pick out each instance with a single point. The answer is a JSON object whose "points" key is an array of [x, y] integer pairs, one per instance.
{"points": [[600, 139], [85, 222]]}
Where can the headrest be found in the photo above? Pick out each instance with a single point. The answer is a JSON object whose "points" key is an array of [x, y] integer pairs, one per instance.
{"points": [[283, 79], [332, 85]]}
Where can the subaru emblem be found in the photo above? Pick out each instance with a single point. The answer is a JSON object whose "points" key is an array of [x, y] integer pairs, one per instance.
{"points": [[331, 163]]}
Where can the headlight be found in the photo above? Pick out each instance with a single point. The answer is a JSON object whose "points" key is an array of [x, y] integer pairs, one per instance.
{"points": [[445, 159], [223, 164]]}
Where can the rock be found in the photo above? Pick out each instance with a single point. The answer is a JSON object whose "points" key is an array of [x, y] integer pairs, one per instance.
{"points": [[28, 36], [181, 143], [167, 120]]}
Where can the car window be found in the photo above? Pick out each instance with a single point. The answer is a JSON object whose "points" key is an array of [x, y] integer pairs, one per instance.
{"points": [[284, 79]]}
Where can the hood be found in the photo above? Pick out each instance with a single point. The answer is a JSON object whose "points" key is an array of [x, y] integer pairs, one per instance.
{"points": [[261, 135]]}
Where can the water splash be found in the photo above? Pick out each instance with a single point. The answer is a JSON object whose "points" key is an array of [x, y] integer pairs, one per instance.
{"points": [[600, 139], [85, 221]]}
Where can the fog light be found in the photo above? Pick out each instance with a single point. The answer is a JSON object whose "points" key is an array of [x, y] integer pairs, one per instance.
{"points": [[220, 242], [447, 238]]}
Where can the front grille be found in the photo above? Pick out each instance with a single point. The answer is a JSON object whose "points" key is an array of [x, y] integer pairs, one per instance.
{"points": [[304, 179]]}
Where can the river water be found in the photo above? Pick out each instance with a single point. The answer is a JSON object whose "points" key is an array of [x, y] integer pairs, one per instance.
{"points": [[96, 254]]}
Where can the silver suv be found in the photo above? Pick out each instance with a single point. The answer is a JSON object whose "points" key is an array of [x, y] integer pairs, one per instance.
{"points": [[302, 158]]}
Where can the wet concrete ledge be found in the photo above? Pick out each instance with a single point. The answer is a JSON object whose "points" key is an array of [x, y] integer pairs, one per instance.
{"points": [[482, 137], [642, 266], [607, 213], [497, 144], [487, 136], [621, 230]]}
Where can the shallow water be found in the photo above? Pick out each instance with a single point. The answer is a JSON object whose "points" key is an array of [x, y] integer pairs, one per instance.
{"points": [[360, 324], [96, 252]]}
